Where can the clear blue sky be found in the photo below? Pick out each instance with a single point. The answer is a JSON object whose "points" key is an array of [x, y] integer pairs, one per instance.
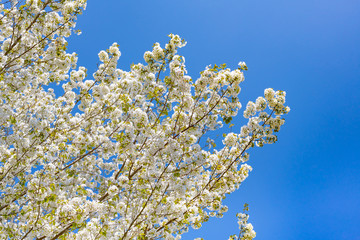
{"points": [[306, 186]]}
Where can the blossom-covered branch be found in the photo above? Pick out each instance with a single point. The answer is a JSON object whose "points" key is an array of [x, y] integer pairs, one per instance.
{"points": [[120, 154]]}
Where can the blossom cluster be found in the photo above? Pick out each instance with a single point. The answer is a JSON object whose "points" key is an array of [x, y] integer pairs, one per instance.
{"points": [[246, 229], [120, 154]]}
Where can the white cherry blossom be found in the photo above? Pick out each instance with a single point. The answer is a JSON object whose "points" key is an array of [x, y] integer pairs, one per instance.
{"points": [[121, 154]]}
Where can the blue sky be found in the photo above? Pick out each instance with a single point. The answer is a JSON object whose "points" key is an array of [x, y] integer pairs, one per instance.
{"points": [[307, 185]]}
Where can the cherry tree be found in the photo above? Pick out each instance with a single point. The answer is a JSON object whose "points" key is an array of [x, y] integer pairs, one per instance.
{"points": [[121, 154]]}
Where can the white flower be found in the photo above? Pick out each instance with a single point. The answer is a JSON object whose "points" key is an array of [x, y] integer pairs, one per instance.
{"points": [[230, 139], [114, 49], [103, 56], [242, 65], [287, 109], [260, 104], [250, 109], [158, 52], [148, 56], [113, 190], [269, 94]]}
